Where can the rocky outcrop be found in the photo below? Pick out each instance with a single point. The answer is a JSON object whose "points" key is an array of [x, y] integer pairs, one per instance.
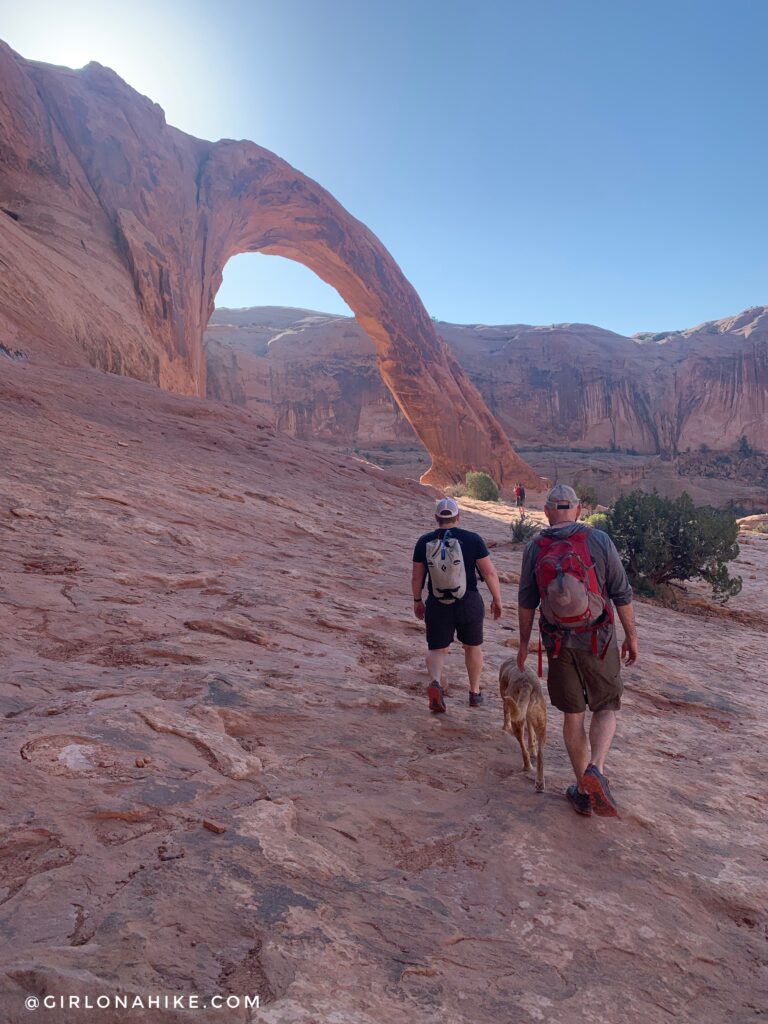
{"points": [[567, 386], [116, 228]]}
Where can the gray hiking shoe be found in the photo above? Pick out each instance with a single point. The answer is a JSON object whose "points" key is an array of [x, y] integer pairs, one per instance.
{"points": [[475, 699], [578, 801], [595, 784]]}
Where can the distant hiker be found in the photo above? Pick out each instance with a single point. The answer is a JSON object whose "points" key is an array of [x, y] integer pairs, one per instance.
{"points": [[520, 495], [573, 573], [447, 559]]}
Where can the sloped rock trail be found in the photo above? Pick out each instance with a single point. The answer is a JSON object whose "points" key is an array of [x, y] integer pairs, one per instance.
{"points": [[203, 621]]}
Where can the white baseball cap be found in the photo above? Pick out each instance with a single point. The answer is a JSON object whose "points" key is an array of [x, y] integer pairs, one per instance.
{"points": [[446, 508]]}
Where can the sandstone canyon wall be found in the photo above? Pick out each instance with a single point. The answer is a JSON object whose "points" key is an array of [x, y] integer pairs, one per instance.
{"points": [[116, 228], [310, 374], [566, 386]]}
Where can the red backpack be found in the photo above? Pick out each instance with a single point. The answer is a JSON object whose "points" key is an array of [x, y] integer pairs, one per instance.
{"points": [[571, 599]]}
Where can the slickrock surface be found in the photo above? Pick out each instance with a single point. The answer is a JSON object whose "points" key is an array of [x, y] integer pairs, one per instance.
{"points": [[564, 386], [202, 620], [115, 229]]}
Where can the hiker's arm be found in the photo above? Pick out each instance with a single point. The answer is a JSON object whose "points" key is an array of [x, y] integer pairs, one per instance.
{"points": [[629, 649], [491, 577], [418, 575], [525, 617], [616, 582], [527, 603], [620, 592]]}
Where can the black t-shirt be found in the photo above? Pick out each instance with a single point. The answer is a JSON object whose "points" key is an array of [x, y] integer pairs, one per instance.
{"points": [[472, 549]]}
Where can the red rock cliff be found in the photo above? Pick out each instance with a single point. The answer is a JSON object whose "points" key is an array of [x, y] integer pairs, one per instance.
{"points": [[117, 228], [567, 386]]}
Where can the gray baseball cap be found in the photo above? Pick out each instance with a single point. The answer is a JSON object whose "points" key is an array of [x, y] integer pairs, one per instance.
{"points": [[562, 496], [446, 508]]}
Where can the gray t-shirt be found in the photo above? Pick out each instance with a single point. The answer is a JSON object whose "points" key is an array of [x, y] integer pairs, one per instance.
{"points": [[611, 578]]}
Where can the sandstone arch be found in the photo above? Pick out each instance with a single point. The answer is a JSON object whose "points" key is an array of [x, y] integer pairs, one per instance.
{"points": [[280, 212], [180, 207]]}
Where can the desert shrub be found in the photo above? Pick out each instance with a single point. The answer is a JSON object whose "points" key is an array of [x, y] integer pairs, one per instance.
{"points": [[599, 521], [761, 528], [456, 491], [661, 539], [481, 487], [522, 529], [744, 448], [587, 494]]}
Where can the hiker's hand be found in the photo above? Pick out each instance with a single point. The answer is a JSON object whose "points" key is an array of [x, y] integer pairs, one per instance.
{"points": [[418, 609], [522, 654], [496, 609], [629, 651]]}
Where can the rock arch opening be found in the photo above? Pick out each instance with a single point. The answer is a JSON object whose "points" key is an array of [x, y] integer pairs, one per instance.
{"points": [[255, 279], [283, 344]]}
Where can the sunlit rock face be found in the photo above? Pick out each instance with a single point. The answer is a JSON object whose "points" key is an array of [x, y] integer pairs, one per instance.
{"points": [[581, 386], [568, 386], [312, 375], [117, 228]]}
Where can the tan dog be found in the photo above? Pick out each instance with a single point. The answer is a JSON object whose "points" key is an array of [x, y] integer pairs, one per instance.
{"points": [[524, 706]]}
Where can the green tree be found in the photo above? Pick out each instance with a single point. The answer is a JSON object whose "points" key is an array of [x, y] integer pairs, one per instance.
{"points": [[587, 495], [599, 521], [661, 539], [481, 487]]}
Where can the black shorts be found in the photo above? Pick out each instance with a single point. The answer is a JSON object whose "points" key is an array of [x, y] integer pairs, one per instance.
{"points": [[464, 618]]}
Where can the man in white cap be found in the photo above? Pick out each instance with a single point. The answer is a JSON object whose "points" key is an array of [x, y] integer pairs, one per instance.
{"points": [[574, 575], [447, 558]]}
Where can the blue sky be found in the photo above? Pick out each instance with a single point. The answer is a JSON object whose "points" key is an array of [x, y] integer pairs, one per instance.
{"points": [[527, 161]]}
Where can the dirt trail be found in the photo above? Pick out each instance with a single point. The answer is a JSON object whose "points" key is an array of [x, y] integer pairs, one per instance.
{"points": [[200, 620]]}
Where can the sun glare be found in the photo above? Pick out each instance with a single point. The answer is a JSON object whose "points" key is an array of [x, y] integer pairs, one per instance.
{"points": [[116, 50], [156, 63], [73, 50]]}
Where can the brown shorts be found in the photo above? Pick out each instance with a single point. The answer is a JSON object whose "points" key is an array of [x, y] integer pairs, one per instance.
{"points": [[579, 678]]}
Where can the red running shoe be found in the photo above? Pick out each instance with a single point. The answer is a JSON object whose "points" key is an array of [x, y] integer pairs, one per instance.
{"points": [[436, 697], [595, 785]]}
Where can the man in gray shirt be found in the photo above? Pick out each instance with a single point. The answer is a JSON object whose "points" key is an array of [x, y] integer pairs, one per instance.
{"points": [[582, 576]]}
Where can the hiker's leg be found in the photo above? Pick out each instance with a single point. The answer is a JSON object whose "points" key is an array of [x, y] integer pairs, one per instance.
{"points": [[441, 627], [469, 632], [601, 730], [436, 663], [576, 744], [602, 679], [473, 659]]}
